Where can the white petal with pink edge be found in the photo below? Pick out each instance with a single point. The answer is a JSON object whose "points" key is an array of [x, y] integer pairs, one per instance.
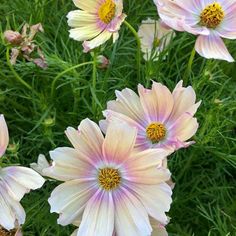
{"points": [[11, 210], [127, 103], [146, 167], [184, 127], [184, 101], [131, 217], [157, 102], [70, 198], [81, 138], [119, 142], [156, 199], [99, 215], [18, 175], [68, 164]]}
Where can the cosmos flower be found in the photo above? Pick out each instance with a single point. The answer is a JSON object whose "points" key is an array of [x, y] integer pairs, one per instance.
{"points": [[110, 188], [96, 22], [163, 119], [15, 181], [155, 36], [211, 20]]}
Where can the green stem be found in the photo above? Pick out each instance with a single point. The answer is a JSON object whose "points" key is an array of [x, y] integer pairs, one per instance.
{"points": [[189, 67], [138, 55], [14, 72], [94, 79], [64, 72]]}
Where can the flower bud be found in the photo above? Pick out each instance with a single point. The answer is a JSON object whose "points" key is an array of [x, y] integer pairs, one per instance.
{"points": [[102, 62]]}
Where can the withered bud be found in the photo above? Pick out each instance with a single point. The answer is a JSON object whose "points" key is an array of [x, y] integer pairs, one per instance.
{"points": [[13, 37], [40, 62]]}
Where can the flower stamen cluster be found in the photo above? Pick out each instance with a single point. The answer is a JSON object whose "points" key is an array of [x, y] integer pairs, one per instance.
{"points": [[156, 132], [106, 11], [109, 178], [212, 15]]}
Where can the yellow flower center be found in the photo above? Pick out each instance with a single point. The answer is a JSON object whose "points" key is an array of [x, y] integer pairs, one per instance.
{"points": [[212, 15], [109, 178], [156, 132], [106, 11]]}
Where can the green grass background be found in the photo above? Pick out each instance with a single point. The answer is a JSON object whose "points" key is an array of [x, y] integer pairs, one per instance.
{"points": [[204, 201]]}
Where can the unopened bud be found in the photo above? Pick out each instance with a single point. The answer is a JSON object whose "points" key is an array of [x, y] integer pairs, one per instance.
{"points": [[13, 37], [13, 148], [49, 122], [102, 62]]}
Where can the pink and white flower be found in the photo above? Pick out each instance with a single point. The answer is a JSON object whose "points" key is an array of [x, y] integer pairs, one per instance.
{"points": [[96, 22], [163, 119], [211, 20], [110, 188], [15, 181], [155, 36]]}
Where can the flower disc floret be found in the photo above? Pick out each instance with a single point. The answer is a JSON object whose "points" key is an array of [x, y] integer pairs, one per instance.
{"points": [[109, 178], [156, 132], [106, 11], [212, 15]]}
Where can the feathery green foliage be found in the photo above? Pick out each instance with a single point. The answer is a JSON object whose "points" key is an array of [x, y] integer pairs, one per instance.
{"points": [[204, 200]]}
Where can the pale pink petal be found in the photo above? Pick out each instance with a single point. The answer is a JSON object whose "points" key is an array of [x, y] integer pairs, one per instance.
{"points": [[146, 167], [68, 164], [98, 217], [69, 200], [157, 102], [115, 24], [88, 139], [156, 199], [127, 103], [119, 142], [113, 116], [184, 128], [227, 28], [131, 217], [212, 46], [184, 101], [4, 136]]}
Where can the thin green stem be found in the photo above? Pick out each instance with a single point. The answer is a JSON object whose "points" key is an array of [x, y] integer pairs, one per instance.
{"points": [[94, 79], [189, 67], [15, 73], [138, 55], [64, 72]]}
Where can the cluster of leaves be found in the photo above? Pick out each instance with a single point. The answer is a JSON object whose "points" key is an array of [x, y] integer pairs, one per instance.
{"points": [[203, 200]]}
